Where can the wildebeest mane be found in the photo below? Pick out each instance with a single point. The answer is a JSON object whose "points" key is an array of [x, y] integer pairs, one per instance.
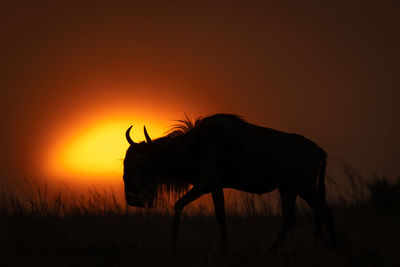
{"points": [[170, 186], [183, 126], [186, 125]]}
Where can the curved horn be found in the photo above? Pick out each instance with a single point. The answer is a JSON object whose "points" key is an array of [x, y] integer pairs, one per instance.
{"points": [[148, 139], [128, 138]]}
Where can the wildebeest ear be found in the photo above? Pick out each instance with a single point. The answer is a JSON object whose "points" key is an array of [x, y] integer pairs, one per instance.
{"points": [[148, 139]]}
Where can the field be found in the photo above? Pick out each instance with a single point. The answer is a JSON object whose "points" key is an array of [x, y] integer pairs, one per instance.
{"points": [[39, 230]]}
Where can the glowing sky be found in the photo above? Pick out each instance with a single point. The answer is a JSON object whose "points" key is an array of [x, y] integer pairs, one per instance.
{"points": [[96, 150], [75, 75]]}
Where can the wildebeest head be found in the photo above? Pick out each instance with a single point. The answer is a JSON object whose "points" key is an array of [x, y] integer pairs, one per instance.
{"points": [[140, 189]]}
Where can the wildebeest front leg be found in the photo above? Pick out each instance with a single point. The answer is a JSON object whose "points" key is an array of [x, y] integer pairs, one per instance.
{"points": [[219, 206], [190, 196]]}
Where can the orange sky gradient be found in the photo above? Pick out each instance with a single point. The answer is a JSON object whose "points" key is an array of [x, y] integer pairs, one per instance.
{"points": [[74, 76]]}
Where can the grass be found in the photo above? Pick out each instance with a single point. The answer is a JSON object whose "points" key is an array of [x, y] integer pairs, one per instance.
{"points": [[54, 229]]}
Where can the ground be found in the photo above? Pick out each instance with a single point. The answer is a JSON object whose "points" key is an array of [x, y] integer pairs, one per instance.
{"points": [[367, 237], [100, 232]]}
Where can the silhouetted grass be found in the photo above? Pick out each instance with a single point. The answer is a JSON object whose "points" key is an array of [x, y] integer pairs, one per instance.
{"points": [[38, 227]]}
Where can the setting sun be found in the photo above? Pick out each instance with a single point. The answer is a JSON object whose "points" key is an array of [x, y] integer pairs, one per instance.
{"points": [[98, 150]]}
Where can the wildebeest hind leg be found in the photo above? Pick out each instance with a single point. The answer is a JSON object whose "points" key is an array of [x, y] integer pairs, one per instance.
{"points": [[288, 206], [190, 196], [219, 206], [323, 212]]}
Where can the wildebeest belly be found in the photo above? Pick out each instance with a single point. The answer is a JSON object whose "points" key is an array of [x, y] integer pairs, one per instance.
{"points": [[262, 161], [256, 169], [252, 188]]}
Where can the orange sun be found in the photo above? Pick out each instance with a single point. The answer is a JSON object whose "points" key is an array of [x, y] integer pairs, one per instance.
{"points": [[97, 151]]}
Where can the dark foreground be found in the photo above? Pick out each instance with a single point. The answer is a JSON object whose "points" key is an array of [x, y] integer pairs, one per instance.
{"points": [[368, 235]]}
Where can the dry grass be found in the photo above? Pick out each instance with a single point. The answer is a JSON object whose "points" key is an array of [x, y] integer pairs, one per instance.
{"points": [[39, 228]]}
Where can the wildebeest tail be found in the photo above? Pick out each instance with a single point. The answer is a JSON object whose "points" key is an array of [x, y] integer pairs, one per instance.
{"points": [[321, 179]]}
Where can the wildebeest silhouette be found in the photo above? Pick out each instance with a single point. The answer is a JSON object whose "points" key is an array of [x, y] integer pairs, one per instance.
{"points": [[224, 151]]}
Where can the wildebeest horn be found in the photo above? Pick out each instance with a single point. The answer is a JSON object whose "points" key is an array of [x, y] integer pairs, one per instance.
{"points": [[148, 139], [128, 138]]}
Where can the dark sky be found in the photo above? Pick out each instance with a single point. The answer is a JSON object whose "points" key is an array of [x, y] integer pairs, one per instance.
{"points": [[327, 71]]}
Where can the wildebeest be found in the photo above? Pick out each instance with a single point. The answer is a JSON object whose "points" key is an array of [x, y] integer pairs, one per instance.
{"points": [[224, 151]]}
